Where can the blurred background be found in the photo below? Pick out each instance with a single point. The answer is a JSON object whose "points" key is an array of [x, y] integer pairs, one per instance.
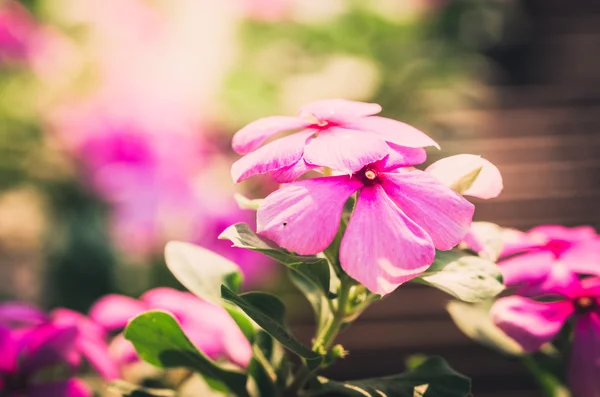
{"points": [[116, 118]]}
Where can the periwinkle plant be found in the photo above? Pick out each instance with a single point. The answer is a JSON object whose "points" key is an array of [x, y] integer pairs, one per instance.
{"points": [[372, 223]]}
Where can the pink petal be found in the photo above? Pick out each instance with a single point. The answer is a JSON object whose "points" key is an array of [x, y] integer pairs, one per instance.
{"points": [[584, 368], [344, 150], [400, 156], [8, 347], [21, 314], [122, 350], [253, 135], [382, 247], [559, 232], [273, 156], [583, 257], [527, 269], [530, 323], [559, 280], [70, 388], [338, 110], [114, 311], [445, 215], [292, 172], [516, 241], [393, 131], [48, 345], [304, 216], [451, 170], [96, 353]]}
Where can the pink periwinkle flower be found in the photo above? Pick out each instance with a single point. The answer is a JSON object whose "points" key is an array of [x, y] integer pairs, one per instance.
{"points": [[527, 258], [335, 133], [208, 326], [532, 323], [401, 216], [32, 343]]}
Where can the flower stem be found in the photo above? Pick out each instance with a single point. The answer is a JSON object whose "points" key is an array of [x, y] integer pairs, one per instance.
{"points": [[324, 342]]}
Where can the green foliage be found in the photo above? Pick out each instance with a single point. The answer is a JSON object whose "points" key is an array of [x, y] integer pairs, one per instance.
{"points": [[466, 277], [160, 341], [433, 378], [269, 312]]}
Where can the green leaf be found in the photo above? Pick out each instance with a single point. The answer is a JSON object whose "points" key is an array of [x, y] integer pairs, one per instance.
{"points": [[127, 389], [489, 238], [466, 277], [245, 203], [475, 322], [269, 313], [201, 271], [463, 184], [315, 296], [312, 267], [433, 378], [160, 341]]}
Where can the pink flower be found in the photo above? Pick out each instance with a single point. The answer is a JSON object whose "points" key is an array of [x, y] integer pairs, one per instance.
{"points": [[33, 343], [532, 324], [335, 133], [208, 326], [401, 216], [527, 258]]}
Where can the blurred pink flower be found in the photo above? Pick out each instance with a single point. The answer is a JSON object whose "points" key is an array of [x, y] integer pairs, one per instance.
{"points": [[528, 258], [32, 342], [17, 30], [208, 326], [401, 216], [532, 324], [336, 133]]}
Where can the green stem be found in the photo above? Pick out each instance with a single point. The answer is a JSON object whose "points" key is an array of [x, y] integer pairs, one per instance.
{"points": [[324, 342], [549, 385]]}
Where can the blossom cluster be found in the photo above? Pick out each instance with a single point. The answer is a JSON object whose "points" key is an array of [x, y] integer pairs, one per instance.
{"points": [[554, 272], [402, 214], [42, 354]]}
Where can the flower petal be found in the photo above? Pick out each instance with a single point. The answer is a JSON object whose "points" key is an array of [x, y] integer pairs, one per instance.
{"points": [[48, 345], [253, 135], [382, 247], [304, 216], [516, 241], [96, 353], [401, 156], [527, 269], [338, 110], [583, 257], [530, 323], [114, 311], [451, 170], [292, 172], [585, 357], [8, 347], [344, 150], [445, 215], [563, 233], [273, 156], [69, 388], [21, 314], [393, 131]]}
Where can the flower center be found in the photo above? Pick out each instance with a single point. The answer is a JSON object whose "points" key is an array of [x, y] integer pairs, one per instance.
{"points": [[584, 304], [368, 176], [558, 247]]}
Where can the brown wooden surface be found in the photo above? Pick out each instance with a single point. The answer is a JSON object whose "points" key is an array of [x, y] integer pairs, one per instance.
{"points": [[544, 134]]}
